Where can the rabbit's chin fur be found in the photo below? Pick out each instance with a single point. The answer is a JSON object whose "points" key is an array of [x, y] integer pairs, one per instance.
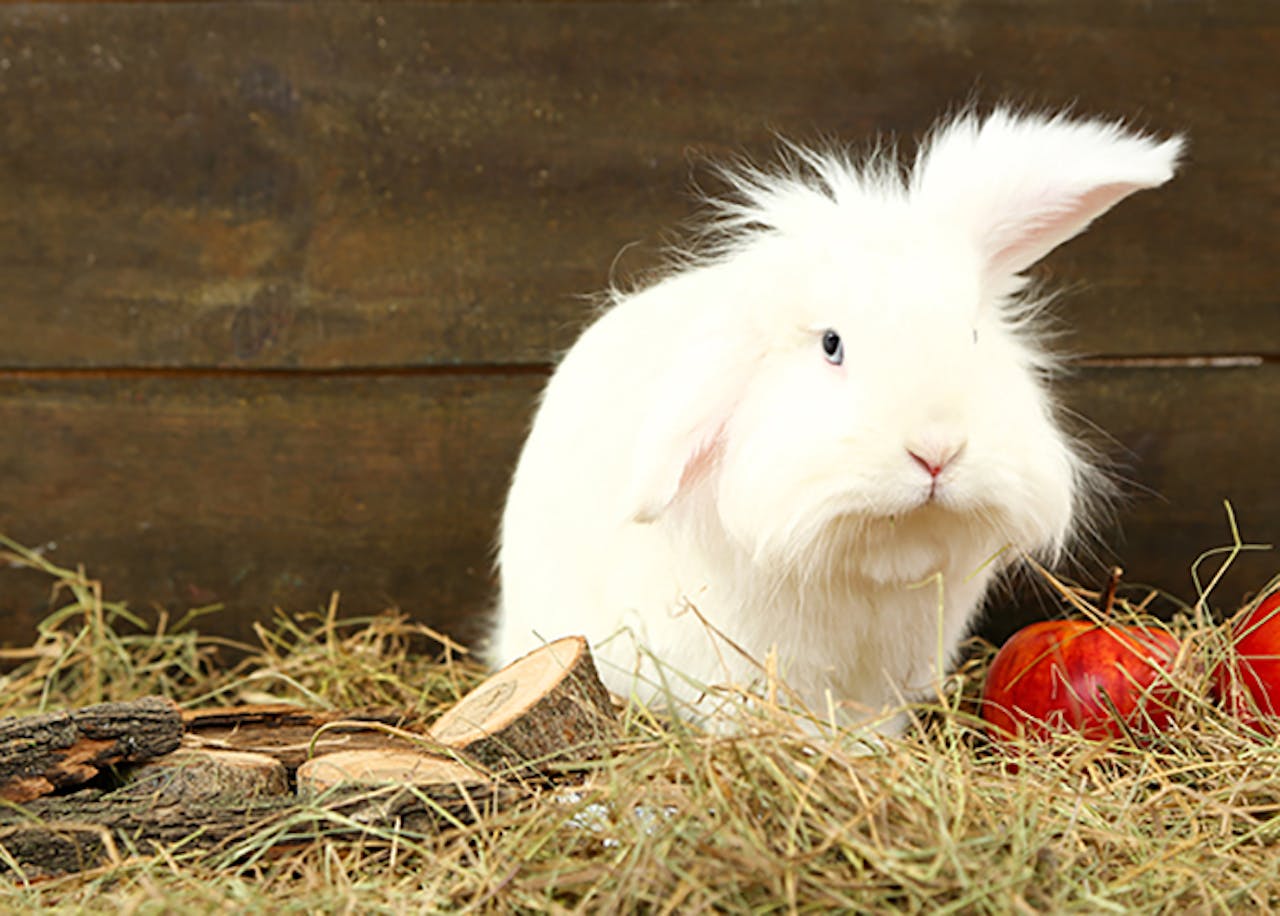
{"points": [[718, 491]]}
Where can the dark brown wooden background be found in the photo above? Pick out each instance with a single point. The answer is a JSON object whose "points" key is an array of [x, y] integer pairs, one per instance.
{"points": [[279, 282]]}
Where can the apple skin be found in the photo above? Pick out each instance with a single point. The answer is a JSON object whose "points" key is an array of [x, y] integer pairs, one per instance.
{"points": [[1058, 675], [1247, 681]]}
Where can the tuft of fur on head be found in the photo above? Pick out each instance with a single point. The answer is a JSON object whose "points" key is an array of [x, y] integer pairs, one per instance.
{"points": [[801, 184], [806, 181]]}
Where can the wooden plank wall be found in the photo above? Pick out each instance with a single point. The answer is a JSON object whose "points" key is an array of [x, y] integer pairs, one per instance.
{"points": [[280, 282]]}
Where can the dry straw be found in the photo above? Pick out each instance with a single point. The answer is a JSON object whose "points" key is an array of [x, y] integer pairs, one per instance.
{"points": [[674, 820]]}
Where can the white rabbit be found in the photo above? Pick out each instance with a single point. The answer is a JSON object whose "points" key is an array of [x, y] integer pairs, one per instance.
{"points": [[819, 441]]}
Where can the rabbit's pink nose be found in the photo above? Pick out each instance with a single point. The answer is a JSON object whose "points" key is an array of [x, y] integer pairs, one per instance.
{"points": [[935, 460]]}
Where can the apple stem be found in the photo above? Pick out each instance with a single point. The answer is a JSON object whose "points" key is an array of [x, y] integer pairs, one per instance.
{"points": [[1109, 593]]}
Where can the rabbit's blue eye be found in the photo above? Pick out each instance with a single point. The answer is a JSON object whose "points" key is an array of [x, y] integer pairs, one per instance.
{"points": [[833, 347]]}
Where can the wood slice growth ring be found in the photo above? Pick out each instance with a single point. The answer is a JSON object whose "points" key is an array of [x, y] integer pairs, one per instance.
{"points": [[545, 709], [385, 767], [409, 787], [190, 775]]}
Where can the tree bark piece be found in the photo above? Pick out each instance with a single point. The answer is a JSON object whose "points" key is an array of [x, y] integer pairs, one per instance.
{"points": [[540, 712], [63, 834], [58, 835], [285, 732], [40, 754]]}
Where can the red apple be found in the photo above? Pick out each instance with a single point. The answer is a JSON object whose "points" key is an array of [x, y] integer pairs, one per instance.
{"points": [[1247, 681], [1075, 675]]}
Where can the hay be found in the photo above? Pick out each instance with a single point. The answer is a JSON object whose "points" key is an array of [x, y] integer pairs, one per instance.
{"points": [[677, 820]]}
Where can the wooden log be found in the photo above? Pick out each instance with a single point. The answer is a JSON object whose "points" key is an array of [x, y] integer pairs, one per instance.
{"points": [[44, 851], [58, 835], [387, 786], [39, 754], [288, 733], [202, 774], [63, 834], [379, 767], [540, 712], [228, 802]]}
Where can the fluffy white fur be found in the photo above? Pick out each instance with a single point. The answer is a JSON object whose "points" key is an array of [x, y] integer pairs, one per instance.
{"points": [[703, 489]]}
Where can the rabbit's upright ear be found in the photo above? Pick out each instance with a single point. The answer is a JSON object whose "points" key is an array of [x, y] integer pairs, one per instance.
{"points": [[1023, 184], [681, 433]]}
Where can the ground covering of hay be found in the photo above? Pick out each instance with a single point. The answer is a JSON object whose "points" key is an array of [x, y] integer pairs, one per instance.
{"points": [[678, 821]]}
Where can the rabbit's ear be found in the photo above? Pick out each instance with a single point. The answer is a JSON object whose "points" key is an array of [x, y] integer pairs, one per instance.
{"points": [[681, 434], [1022, 185]]}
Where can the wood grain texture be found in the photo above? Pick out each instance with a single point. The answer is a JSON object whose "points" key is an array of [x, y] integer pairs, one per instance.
{"points": [[264, 491], [292, 185], [542, 713], [192, 775], [287, 733]]}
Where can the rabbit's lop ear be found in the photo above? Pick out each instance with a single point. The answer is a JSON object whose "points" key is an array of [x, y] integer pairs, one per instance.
{"points": [[1023, 184], [682, 431]]}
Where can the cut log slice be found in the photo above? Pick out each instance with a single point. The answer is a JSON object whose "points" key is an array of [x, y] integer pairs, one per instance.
{"points": [[384, 767], [541, 711], [190, 775], [415, 790]]}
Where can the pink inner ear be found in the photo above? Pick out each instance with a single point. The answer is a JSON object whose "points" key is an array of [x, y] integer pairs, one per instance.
{"points": [[702, 461], [1049, 226]]}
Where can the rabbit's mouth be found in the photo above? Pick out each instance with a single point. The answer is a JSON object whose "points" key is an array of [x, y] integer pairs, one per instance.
{"points": [[931, 504]]}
